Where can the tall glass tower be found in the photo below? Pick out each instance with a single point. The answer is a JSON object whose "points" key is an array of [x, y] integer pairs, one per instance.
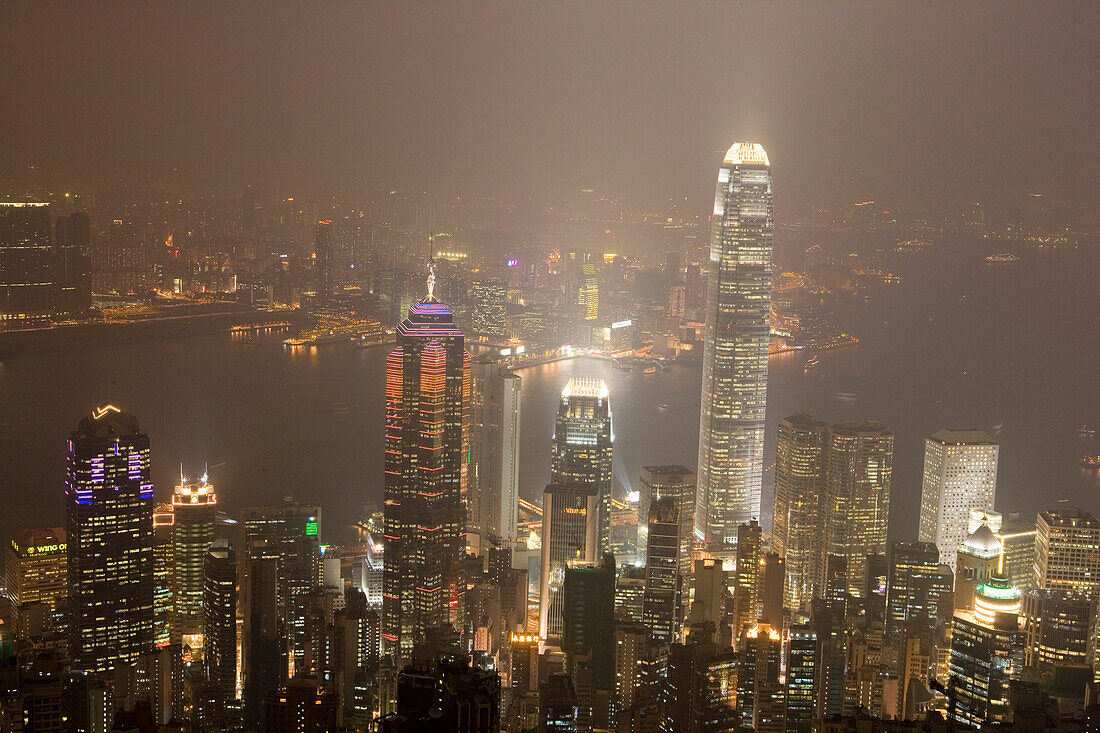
{"points": [[195, 510], [427, 450], [735, 352], [582, 451]]}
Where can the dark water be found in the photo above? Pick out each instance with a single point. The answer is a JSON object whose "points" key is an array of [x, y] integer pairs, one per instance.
{"points": [[1019, 351]]}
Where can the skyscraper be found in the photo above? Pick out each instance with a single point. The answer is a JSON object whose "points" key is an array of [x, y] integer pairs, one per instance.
{"points": [[194, 510], [109, 501], [36, 572], [735, 351], [797, 525], [858, 469], [1067, 551], [27, 288], [661, 607], [489, 317], [960, 474], [427, 446], [802, 675], [588, 612], [494, 447], [569, 537], [219, 627], [581, 454], [746, 591], [904, 599], [677, 482]]}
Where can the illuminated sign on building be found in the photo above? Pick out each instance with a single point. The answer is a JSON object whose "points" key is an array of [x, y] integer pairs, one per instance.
{"points": [[513, 263]]}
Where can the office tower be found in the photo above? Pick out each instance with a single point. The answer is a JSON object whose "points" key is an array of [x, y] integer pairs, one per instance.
{"points": [[445, 696], [581, 454], [661, 607], [711, 606], [164, 582], [194, 512], [27, 287], [761, 699], [72, 240], [858, 469], [588, 614], [746, 591], [797, 519], [984, 655], [700, 688], [802, 674], [630, 593], [569, 537], [36, 574], [294, 530], [1056, 628], [263, 648], [677, 482], [494, 447], [772, 589], [489, 318], [960, 474], [904, 600], [976, 562], [427, 445], [109, 501], [558, 704], [588, 296], [1067, 550], [219, 628], [735, 351], [523, 700], [1017, 536], [301, 706], [324, 258]]}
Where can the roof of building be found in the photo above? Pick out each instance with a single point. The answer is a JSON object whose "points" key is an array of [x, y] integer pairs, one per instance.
{"points": [[983, 541], [967, 436], [107, 422], [747, 153]]}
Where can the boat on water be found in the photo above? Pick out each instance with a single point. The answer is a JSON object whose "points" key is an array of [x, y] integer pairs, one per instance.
{"points": [[847, 396], [1002, 257], [1090, 462], [1086, 431], [811, 363], [662, 405], [650, 370]]}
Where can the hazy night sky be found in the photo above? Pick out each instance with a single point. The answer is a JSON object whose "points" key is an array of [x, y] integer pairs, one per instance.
{"points": [[916, 103]]}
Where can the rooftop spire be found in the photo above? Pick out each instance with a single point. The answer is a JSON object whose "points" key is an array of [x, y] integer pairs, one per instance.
{"points": [[431, 268]]}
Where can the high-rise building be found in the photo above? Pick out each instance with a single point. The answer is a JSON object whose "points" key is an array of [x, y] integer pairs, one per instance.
{"points": [[797, 519], [27, 286], [1067, 550], [700, 689], [630, 593], [858, 469], [581, 454], [802, 674], [494, 447], [36, 572], [904, 600], [445, 696], [677, 482], [1056, 628], [72, 241], [746, 590], [109, 501], [588, 613], [735, 350], [569, 537], [194, 511], [711, 604], [985, 655], [164, 583], [219, 629], [761, 697], [263, 647], [1017, 536], [324, 259], [976, 562], [661, 608], [960, 474], [427, 446], [489, 317]]}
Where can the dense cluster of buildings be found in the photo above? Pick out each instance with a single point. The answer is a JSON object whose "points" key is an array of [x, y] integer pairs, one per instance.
{"points": [[673, 610]]}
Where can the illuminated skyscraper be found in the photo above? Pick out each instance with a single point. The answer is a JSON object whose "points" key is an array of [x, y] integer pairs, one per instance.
{"points": [[27, 290], [582, 451], [219, 626], [569, 537], [427, 449], [735, 351], [662, 607], [960, 474], [858, 469], [109, 501], [194, 510], [489, 317], [677, 482], [1067, 551], [36, 572], [797, 519]]}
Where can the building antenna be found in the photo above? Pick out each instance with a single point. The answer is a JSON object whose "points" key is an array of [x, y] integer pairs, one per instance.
{"points": [[431, 268]]}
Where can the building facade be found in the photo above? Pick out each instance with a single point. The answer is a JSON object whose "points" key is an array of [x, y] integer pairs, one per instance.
{"points": [[960, 474], [194, 512], [797, 517], [735, 350]]}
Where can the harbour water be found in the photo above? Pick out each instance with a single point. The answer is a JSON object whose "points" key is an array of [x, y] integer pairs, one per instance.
{"points": [[1010, 349]]}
